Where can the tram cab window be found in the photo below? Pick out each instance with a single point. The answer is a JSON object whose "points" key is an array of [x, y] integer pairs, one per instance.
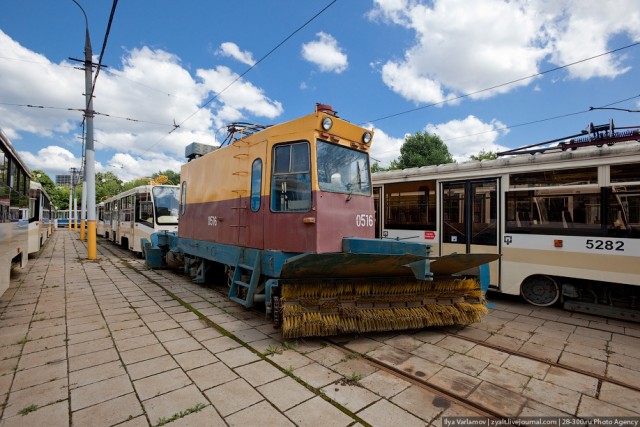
{"points": [[342, 169], [144, 208], [291, 178]]}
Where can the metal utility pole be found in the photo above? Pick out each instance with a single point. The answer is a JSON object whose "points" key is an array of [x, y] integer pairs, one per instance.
{"points": [[90, 172]]}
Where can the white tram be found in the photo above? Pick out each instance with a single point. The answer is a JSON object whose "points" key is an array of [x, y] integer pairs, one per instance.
{"points": [[41, 217], [135, 214], [14, 211], [567, 223]]}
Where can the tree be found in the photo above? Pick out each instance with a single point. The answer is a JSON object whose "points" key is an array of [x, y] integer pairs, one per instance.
{"points": [[376, 168], [173, 178], [107, 185], [59, 195], [484, 155], [422, 149], [44, 179]]}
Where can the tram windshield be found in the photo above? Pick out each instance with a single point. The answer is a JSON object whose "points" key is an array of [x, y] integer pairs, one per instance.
{"points": [[166, 204], [343, 170]]}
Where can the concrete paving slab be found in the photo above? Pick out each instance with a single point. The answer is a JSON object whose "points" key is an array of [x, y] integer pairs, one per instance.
{"points": [[56, 414], [385, 414], [169, 404], [259, 414], [108, 413], [498, 399], [95, 374], [384, 384], [259, 373], [39, 395], [317, 412], [212, 375], [233, 396]]}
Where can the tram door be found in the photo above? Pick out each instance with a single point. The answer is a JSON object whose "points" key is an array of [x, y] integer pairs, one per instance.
{"points": [[469, 219], [376, 206]]}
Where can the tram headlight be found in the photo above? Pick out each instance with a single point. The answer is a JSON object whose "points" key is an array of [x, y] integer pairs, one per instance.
{"points": [[366, 137], [327, 123]]}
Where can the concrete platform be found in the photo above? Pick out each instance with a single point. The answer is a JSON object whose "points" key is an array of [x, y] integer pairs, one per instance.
{"points": [[106, 342]]}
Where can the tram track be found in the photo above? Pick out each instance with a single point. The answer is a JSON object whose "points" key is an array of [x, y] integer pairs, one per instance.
{"points": [[600, 378], [423, 384]]}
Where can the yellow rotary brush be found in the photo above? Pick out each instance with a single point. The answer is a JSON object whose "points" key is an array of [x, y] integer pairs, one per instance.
{"points": [[334, 307]]}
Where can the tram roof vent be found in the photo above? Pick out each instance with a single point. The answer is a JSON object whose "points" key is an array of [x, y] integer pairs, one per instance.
{"points": [[196, 149]]}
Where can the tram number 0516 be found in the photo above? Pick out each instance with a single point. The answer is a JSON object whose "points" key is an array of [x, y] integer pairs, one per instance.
{"points": [[364, 220], [605, 245]]}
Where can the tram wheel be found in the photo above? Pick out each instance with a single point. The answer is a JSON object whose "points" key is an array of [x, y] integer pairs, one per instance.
{"points": [[540, 290]]}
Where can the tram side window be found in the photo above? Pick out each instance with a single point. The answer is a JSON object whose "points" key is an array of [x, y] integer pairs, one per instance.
{"points": [[256, 184], [410, 205], [566, 214], [291, 180], [624, 212]]}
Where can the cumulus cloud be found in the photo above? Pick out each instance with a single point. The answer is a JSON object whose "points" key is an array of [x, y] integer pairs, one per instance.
{"points": [[462, 47], [463, 138], [53, 159], [149, 105], [232, 50], [326, 54], [469, 136], [128, 167], [384, 148]]}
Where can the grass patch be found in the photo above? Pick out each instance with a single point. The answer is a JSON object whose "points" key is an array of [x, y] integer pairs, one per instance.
{"points": [[28, 409], [162, 421], [350, 356], [23, 341], [353, 378], [289, 345], [288, 371], [272, 349]]}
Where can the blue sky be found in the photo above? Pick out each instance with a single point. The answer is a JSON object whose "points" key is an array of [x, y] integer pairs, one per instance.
{"points": [[368, 59]]}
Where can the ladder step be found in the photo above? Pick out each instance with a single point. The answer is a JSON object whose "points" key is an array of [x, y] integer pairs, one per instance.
{"points": [[238, 300], [241, 283], [246, 267]]}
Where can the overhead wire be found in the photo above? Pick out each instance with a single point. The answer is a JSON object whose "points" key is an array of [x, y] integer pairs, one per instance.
{"points": [[546, 119], [240, 76], [466, 95]]}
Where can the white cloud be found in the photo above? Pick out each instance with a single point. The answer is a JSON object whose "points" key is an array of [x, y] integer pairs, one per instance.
{"points": [[241, 96], [384, 148], [325, 53], [462, 47], [233, 50], [469, 136], [137, 105], [54, 160], [128, 167], [463, 138]]}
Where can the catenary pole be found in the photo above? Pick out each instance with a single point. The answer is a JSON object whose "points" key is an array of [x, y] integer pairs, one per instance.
{"points": [[89, 150]]}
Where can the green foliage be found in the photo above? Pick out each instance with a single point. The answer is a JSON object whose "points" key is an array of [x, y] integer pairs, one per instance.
{"points": [[376, 168], [59, 195], [107, 185], [272, 349], [484, 155], [44, 179], [162, 421], [173, 178], [422, 149], [28, 409]]}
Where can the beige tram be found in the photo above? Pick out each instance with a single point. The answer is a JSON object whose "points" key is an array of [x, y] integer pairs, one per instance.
{"points": [[566, 224]]}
